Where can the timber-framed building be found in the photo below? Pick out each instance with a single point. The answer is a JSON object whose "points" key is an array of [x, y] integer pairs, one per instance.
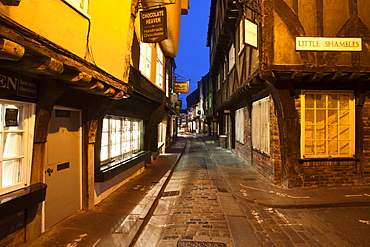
{"points": [[299, 115]]}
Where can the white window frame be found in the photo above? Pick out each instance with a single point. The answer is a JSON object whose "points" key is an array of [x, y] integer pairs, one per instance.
{"points": [[261, 125], [26, 145], [159, 68], [239, 125], [312, 141], [121, 140], [145, 59]]}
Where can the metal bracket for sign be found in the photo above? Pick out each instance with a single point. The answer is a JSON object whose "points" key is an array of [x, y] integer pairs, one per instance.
{"points": [[253, 5], [158, 3]]}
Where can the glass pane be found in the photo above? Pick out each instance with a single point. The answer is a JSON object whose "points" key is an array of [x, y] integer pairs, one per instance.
{"points": [[310, 101], [105, 125], [320, 101], [332, 101], [104, 139], [310, 134], [333, 132], [321, 147], [12, 172], [310, 148], [104, 153], [344, 101], [333, 147], [321, 117], [320, 132], [344, 147], [13, 145], [332, 117], [344, 117], [344, 132], [310, 116]]}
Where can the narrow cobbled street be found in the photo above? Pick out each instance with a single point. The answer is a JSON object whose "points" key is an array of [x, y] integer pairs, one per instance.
{"points": [[196, 214], [201, 206]]}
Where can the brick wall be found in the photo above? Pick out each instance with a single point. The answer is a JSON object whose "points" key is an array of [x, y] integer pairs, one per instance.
{"points": [[244, 149], [366, 138], [268, 165], [329, 173], [315, 173], [12, 230]]}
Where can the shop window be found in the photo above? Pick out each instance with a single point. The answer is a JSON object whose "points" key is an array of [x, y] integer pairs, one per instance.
{"points": [[121, 140], [327, 124], [145, 59], [159, 68], [239, 125], [261, 125], [16, 125]]}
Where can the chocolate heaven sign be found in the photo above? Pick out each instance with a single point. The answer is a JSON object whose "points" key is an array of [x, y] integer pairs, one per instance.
{"points": [[153, 25]]}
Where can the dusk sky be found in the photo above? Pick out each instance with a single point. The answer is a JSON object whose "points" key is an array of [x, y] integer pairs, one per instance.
{"points": [[193, 57]]}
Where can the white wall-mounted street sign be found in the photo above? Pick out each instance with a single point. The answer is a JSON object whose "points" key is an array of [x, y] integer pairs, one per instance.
{"points": [[328, 44]]}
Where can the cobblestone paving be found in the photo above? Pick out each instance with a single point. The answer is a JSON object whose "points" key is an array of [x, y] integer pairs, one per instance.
{"points": [[196, 216], [202, 211], [291, 227]]}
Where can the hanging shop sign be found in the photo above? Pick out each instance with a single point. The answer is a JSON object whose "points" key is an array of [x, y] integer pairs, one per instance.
{"points": [[181, 87], [328, 44], [251, 33], [153, 25]]}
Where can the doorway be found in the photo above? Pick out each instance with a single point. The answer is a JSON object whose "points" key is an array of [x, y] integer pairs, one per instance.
{"points": [[63, 165]]}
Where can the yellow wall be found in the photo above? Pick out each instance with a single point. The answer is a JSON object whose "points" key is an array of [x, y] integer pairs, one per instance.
{"points": [[60, 23], [52, 19], [109, 33]]}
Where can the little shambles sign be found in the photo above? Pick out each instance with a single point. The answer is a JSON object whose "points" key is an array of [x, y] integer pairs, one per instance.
{"points": [[153, 25], [328, 44]]}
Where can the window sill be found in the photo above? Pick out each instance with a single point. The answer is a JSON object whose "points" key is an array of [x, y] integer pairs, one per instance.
{"points": [[21, 199], [261, 153], [301, 161], [109, 173]]}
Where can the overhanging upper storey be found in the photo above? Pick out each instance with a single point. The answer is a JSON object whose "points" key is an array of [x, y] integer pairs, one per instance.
{"points": [[223, 18]]}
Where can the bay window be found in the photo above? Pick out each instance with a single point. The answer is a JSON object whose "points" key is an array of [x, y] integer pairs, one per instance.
{"points": [[121, 140]]}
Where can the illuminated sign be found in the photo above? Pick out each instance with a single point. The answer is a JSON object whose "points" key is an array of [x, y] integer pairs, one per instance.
{"points": [[181, 87], [328, 44], [153, 25]]}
